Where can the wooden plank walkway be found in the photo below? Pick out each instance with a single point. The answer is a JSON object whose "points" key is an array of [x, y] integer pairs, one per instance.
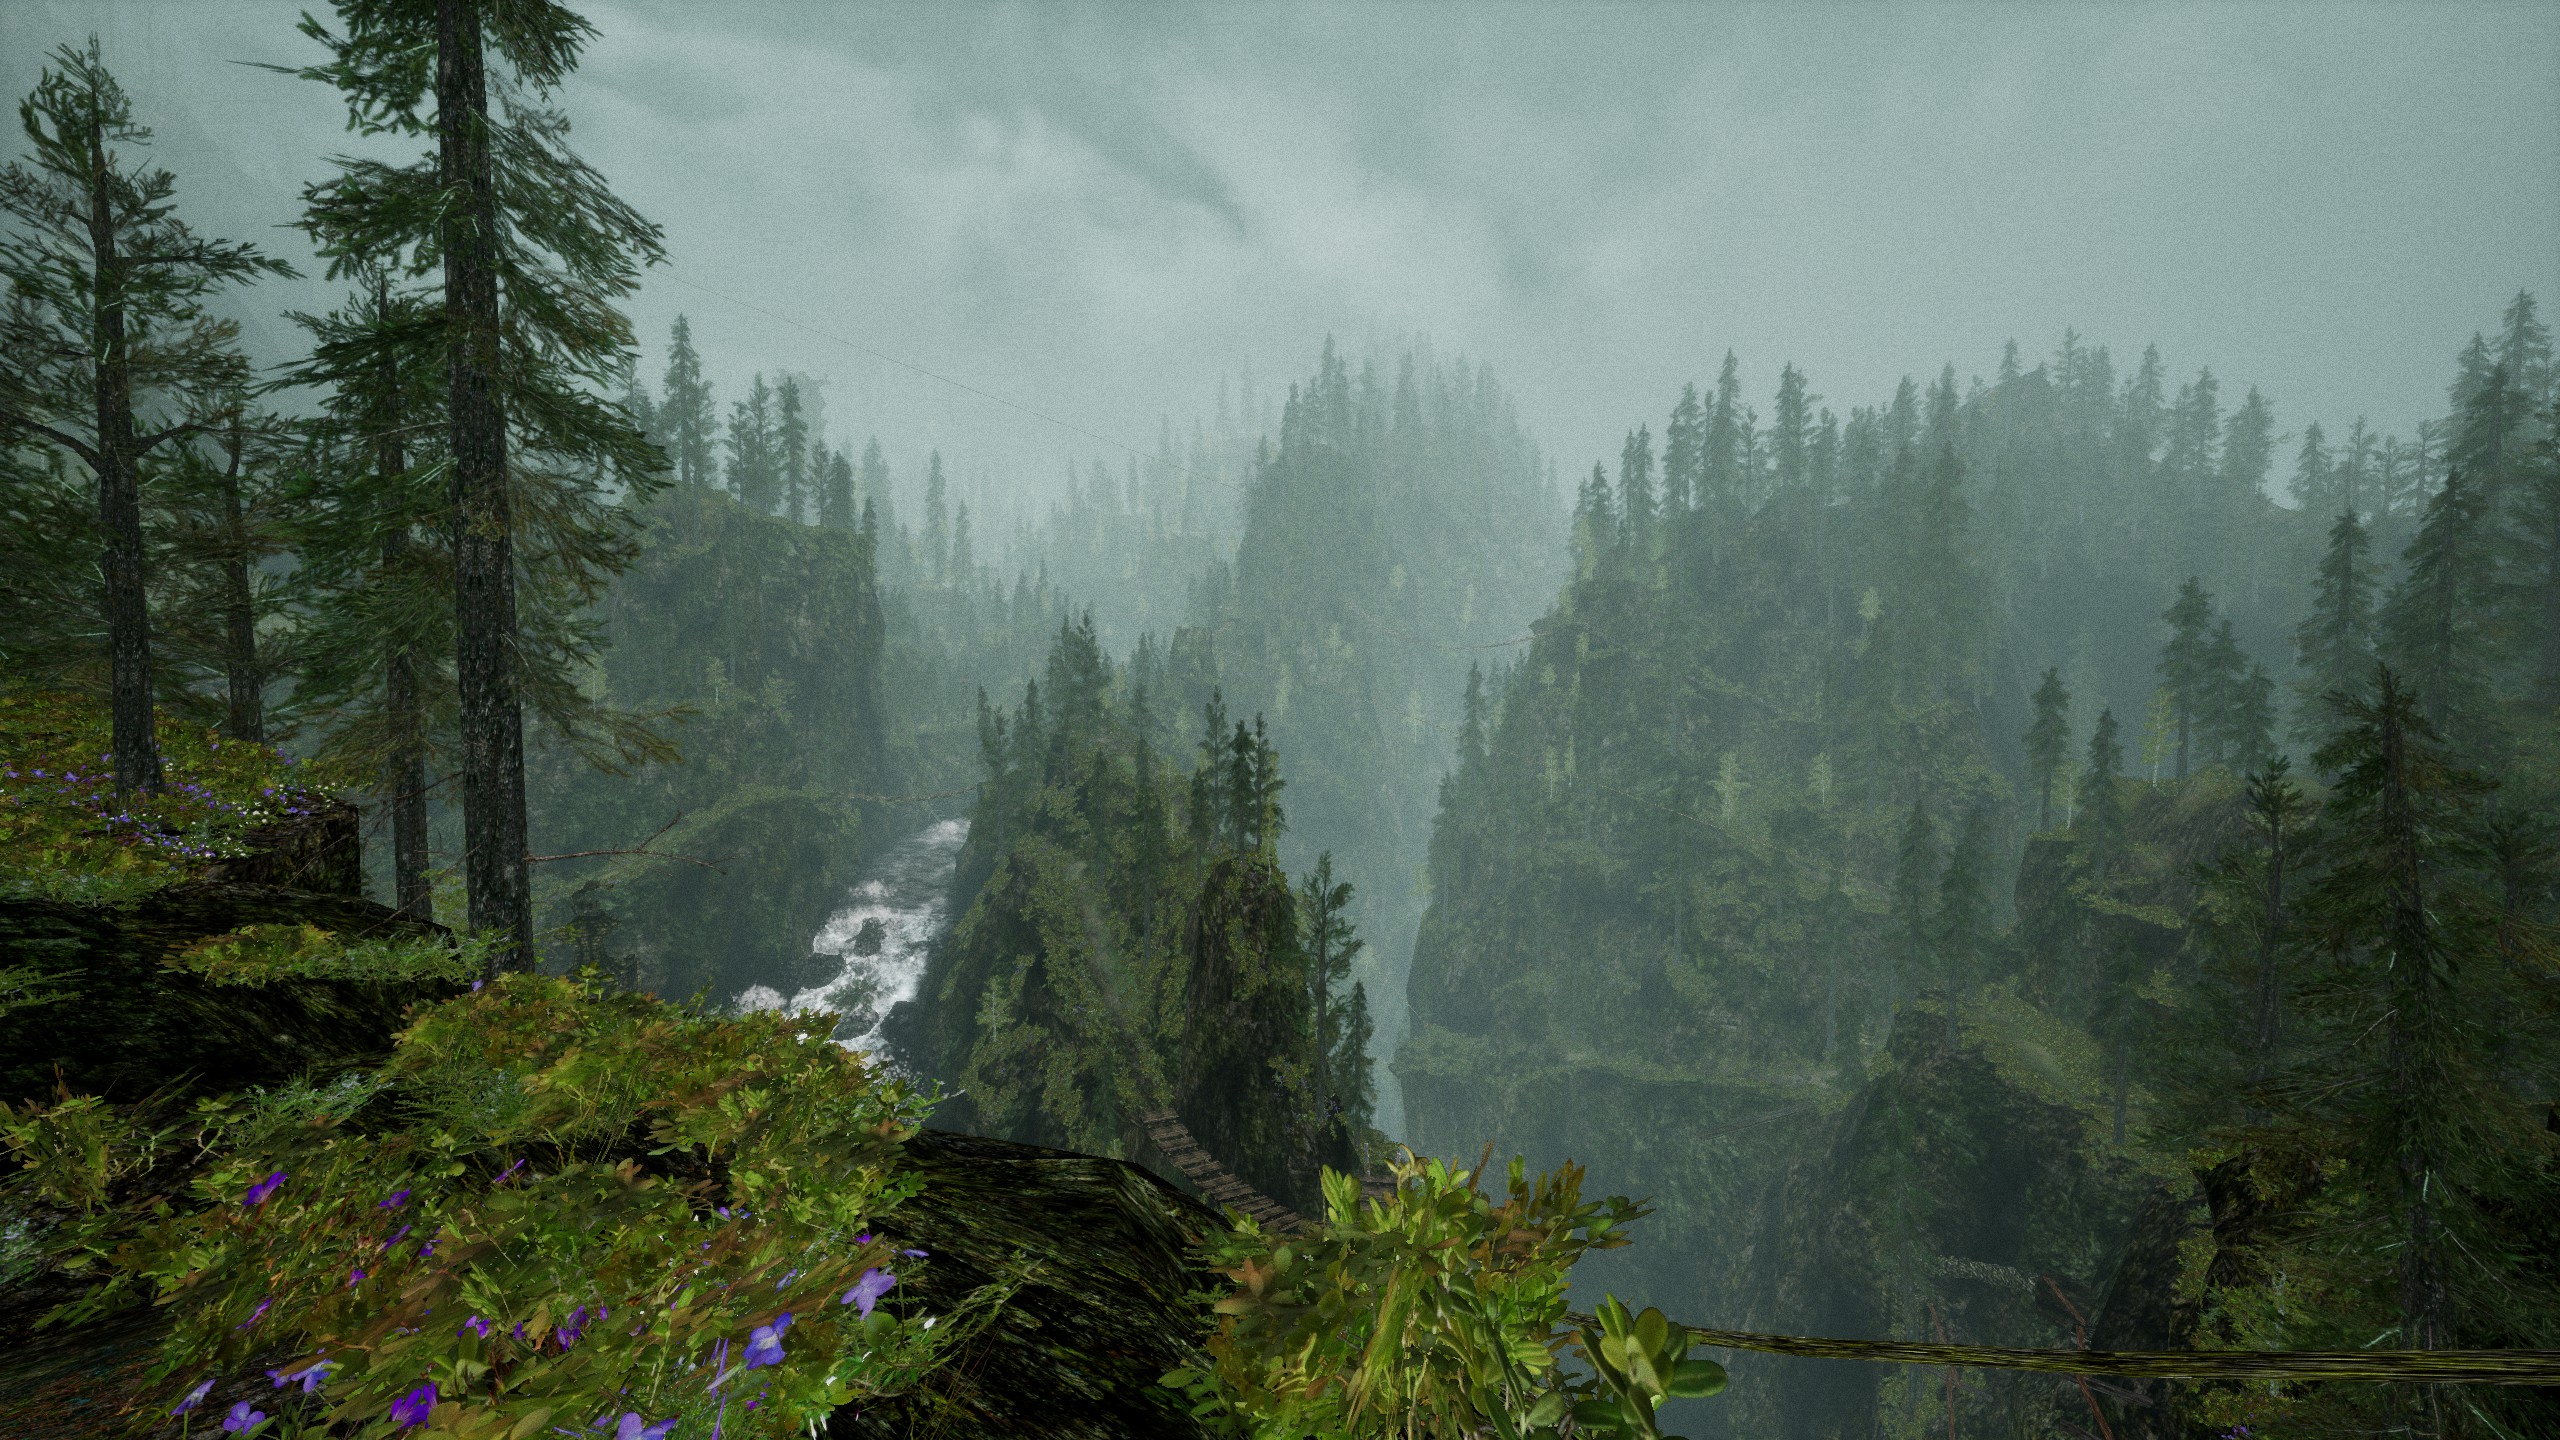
{"points": [[1219, 1185]]}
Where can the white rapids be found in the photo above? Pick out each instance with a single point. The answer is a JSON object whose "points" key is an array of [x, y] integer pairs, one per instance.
{"points": [[883, 933]]}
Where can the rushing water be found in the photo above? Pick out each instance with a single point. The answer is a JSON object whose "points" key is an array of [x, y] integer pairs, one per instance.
{"points": [[882, 933]]}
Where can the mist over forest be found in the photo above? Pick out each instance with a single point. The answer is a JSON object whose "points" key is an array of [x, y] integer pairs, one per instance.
{"points": [[1295, 721]]}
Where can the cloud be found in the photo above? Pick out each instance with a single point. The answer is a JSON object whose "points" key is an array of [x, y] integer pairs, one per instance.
{"points": [[1098, 209]]}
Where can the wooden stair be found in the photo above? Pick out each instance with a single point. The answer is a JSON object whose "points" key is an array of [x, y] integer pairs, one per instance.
{"points": [[1218, 1185]]}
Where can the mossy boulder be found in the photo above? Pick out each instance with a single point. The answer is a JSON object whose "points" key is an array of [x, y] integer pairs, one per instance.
{"points": [[134, 996], [1078, 1350]]}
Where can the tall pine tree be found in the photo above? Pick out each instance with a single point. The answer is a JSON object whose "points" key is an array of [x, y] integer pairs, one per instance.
{"points": [[106, 349]]}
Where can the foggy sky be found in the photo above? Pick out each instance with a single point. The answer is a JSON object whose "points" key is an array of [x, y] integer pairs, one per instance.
{"points": [[1096, 211]]}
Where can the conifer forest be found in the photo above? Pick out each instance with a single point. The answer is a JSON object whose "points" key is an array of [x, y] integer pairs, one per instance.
{"points": [[1294, 722]]}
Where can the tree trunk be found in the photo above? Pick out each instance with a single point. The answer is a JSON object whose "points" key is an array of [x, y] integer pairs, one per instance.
{"points": [[405, 777], [2410, 1044], [244, 679], [128, 606], [1324, 993], [493, 814], [2272, 929]]}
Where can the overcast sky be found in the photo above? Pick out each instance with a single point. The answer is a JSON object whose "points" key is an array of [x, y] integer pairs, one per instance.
{"points": [[1095, 211]]}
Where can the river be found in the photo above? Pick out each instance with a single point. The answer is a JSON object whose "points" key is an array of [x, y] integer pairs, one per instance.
{"points": [[882, 932]]}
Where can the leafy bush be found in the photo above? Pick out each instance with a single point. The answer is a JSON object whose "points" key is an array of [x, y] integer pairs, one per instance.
{"points": [[63, 832], [1436, 1312], [266, 954], [552, 1206]]}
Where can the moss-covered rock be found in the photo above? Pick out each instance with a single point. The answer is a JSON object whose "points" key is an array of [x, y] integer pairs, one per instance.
{"points": [[1078, 1350], [1950, 1199], [1075, 1353], [185, 985]]}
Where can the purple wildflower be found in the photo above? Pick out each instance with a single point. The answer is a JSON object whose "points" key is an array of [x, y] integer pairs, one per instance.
{"points": [[764, 1343], [259, 1192], [242, 1419], [398, 1199], [913, 1254], [396, 1237], [194, 1397], [414, 1407], [255, 1314], [354, 1278], [866, 1291], [311, 1376], [568, 1331], [508, 1174], [476, 1326], [634, 1428]]}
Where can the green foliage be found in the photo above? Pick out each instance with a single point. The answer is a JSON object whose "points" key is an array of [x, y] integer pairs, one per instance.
{"points": [[266, 954], [551, 1201], [2387, 1175], [64, 834], [1436, 1311]]}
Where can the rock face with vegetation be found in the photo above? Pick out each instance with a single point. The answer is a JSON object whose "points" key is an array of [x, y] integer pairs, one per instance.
{"points": [[1067, 1280], [1127, 942], [1724, 902], [1107, 1311]]}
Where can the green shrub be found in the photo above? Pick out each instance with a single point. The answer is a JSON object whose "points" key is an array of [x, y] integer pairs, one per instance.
{"points": [[1435, 1312], [553, 1205], [64, 834]]}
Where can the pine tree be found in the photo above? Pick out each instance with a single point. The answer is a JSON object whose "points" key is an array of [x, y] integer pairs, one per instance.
{"points": [[1962, 920], [2101, 819], [535, 252], [1915, 876], [875, 491], [937, 519], [2138, 416], [1635, 488], [2189, 461], [1331, 943], [2229, 711], [1471, 722], [2248, 451], [2333, 646], [836, 509], [2185, 662], [1355, 1089], [373, 557], [2524, 352], [1722, 454], [106, 349], [2275, 805], [791, 451], [2434, 628], [228, 507], [2048, 739], [2538, 563], [1683, 453], [2397, 810], [685, 414], [754, 477], [2314, 486], [1791, 429]]}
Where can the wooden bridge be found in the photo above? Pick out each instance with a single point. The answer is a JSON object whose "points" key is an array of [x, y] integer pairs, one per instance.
{"points": [[1219, 1185]]}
